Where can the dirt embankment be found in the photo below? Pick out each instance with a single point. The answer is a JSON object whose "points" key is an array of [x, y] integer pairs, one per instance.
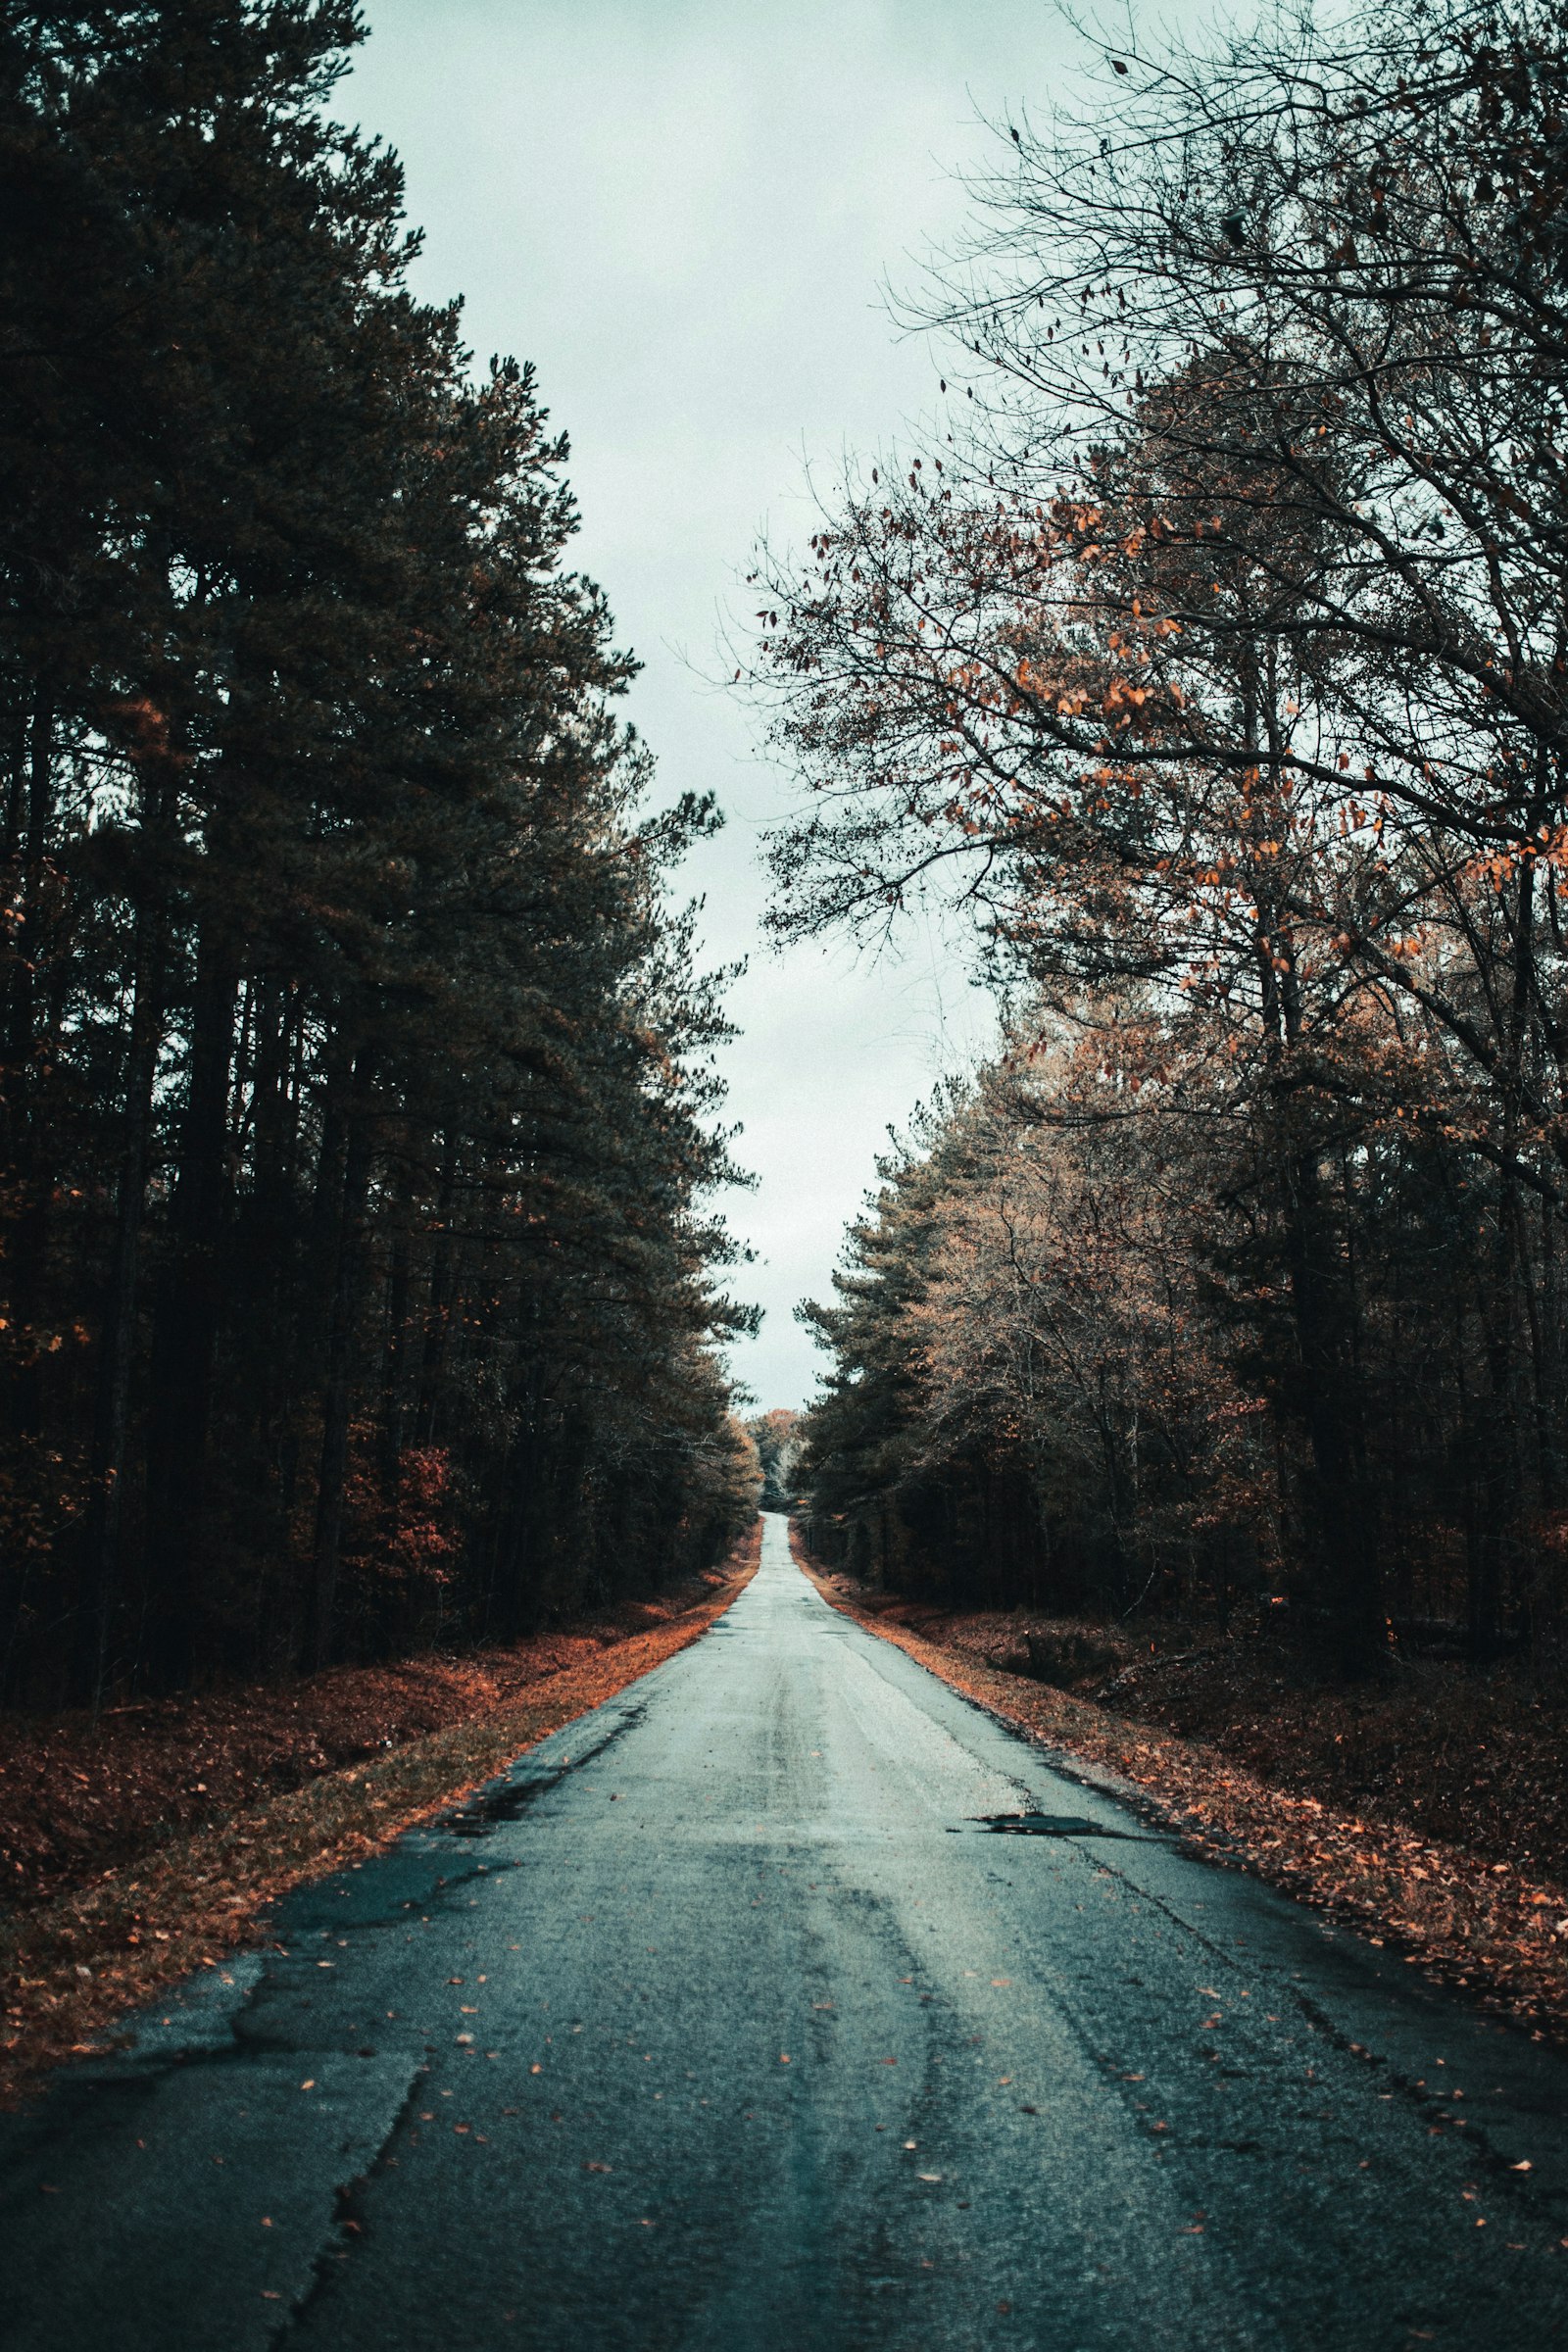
{"points": [[141, 1850], [1430, 1812]]}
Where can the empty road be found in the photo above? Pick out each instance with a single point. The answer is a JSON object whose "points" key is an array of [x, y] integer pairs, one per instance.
{"points": [[729, 2021]]}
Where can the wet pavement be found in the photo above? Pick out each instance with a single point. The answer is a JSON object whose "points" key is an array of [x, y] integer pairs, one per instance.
{"points": [[789, 2000]]}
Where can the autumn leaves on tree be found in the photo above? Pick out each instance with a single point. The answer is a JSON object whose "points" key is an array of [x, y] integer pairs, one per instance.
{"points": [[1214, 653], [357, 1110], [357, 1106]]}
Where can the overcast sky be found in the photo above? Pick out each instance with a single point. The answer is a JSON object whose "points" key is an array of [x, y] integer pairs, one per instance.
{"points": [[683, 212]]}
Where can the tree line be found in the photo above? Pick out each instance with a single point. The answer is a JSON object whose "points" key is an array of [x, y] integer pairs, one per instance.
{"points": [[1213, 651], [358, 1117], [775, 1435]]}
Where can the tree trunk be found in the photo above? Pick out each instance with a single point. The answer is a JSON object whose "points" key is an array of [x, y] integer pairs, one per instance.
{"points": [[433, 1354], [1344, 1510], [185, 1333], [395, 1353], [337, 1387], [118, 1340], [24, 1154]]}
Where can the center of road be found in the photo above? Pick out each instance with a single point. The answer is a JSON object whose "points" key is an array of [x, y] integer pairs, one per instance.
{"points": [[790, 2000]]}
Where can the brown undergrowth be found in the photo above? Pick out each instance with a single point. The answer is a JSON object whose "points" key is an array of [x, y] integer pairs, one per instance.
{"points": [[1268, 1785], [211, 1808]]}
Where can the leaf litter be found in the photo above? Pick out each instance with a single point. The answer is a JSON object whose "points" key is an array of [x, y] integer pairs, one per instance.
{"points": [[139, 1851], [1457, 1856]]}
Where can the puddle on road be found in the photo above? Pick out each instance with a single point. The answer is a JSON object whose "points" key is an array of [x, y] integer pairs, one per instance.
{"points": [[1055, 1824]]}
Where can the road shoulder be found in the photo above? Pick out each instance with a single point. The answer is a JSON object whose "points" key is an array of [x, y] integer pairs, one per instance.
{"points": [[73, 1967], [1487, 1928]]}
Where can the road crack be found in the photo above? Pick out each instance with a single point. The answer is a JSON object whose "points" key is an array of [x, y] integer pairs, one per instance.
{"points": [[349, 2226]]}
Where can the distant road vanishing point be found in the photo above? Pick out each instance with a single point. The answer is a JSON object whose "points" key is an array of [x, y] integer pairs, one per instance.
{"points": [[731, 2018]]}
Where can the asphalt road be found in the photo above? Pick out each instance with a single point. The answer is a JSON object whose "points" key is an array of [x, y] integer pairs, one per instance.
{"points": [[725, 2020]]}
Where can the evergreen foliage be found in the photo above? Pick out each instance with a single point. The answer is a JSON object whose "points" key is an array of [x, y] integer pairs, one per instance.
{"points": [[358, 1100]]}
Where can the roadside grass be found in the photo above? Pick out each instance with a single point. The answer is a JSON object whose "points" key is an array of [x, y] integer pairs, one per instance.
{"points": [[71, 1965], [1493, 1927]]}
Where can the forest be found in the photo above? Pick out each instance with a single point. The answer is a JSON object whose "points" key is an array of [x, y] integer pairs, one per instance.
{"points": [[359, 1123], [508, 1838], [1210, 654]]}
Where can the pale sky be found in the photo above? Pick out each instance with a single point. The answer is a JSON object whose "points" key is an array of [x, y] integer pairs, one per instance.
{"points": [[684, 212]]}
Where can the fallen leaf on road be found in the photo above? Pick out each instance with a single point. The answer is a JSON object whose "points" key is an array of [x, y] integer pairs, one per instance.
{"points": [[122, 1892], [1418, 1874]]}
